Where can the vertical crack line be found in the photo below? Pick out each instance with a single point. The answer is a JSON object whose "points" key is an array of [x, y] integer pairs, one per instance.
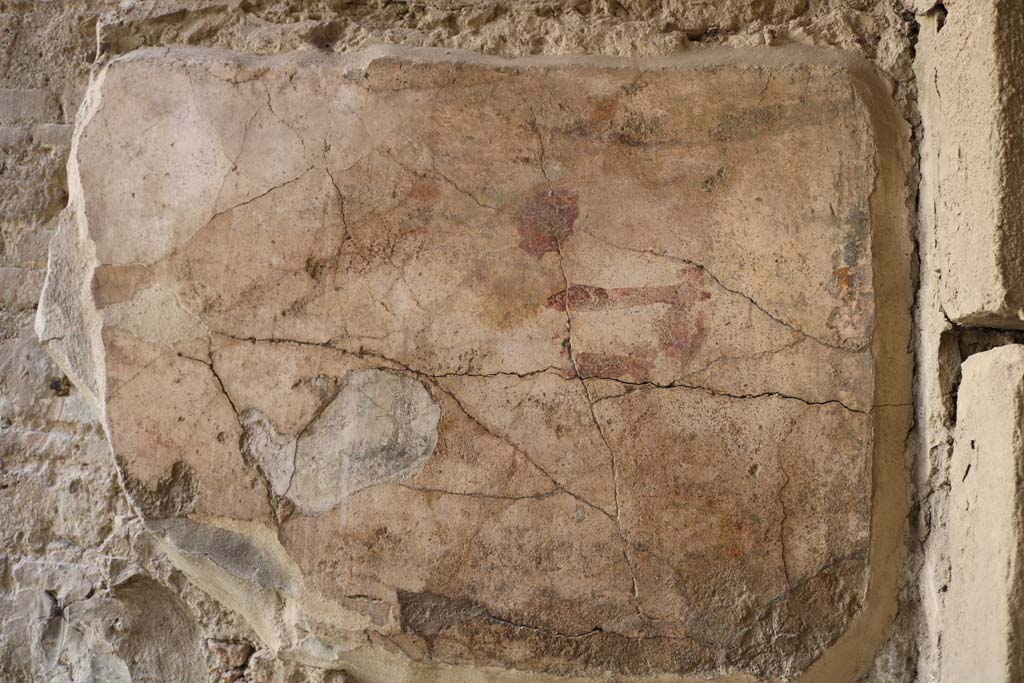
{"points": [[542, 155], [600, 431], [224, 390], [790, 586], [782, 524], [291, 475], [341, 198], [781, 496], [253, 463], [216, 377], [280, 119], [272, 498], [302, 432], [542, 160], [558, 486]]}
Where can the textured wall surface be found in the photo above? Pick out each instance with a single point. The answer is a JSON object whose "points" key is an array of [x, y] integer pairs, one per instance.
{"points": [[85, 591]]}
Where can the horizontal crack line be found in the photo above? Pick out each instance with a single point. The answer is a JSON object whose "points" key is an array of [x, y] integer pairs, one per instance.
{"points": [[435, 381], [486, 496], [565, 374], [753, 302]]}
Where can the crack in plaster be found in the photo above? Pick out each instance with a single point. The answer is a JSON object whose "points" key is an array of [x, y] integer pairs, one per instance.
{"points": [[586, 390], [753, 302]]}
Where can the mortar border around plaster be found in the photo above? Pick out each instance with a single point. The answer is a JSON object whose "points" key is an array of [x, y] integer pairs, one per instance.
{"points": [[893, 256]]}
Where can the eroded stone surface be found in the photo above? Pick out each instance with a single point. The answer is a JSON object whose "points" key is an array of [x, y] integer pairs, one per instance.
{"points": [[561, 366]]}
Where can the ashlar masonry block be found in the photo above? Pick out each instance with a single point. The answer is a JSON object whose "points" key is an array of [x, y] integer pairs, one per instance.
{"points": [[970, 71], [985, 604], [553, 366]]}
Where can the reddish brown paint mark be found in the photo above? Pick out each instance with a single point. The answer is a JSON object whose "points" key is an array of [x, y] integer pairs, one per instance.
{"points": [[683, 333], [546, 220], [425, 189], [636, 366], [591, 298], [846, 278], [680, 329], [579, 297]]}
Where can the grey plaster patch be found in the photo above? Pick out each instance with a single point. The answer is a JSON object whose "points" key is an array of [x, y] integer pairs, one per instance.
{"points": [[272, 452], [380, 428], [234, 552]]}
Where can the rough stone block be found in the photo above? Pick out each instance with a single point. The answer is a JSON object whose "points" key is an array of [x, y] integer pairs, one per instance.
{"points": [[20, 106], [985, 605], [971, 75], [565, 366]]}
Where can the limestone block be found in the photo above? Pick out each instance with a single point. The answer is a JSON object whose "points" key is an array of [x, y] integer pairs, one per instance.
{"points": [[985, 605], [418, 358], [971, 71]]}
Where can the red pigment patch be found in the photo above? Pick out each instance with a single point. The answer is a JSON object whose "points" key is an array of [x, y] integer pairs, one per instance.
{"points": [[546, 219], [591, 298], [579, 297], [681, 331], [683, 334], [612, 366]]}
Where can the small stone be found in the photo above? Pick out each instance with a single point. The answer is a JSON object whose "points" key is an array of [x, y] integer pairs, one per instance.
{"points": [[229, 654]]}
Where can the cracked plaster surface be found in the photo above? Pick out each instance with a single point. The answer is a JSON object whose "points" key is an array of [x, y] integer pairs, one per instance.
{"points": [[628, 307]]}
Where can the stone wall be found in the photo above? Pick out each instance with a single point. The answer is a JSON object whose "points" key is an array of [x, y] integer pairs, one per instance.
{"points": [[87, 592]]}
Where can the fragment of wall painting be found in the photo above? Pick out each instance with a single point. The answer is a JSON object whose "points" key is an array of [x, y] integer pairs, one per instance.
{"points": [[562, 366]]}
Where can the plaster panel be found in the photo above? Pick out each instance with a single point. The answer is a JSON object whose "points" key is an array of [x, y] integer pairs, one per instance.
{"points": [[564, 366]]}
